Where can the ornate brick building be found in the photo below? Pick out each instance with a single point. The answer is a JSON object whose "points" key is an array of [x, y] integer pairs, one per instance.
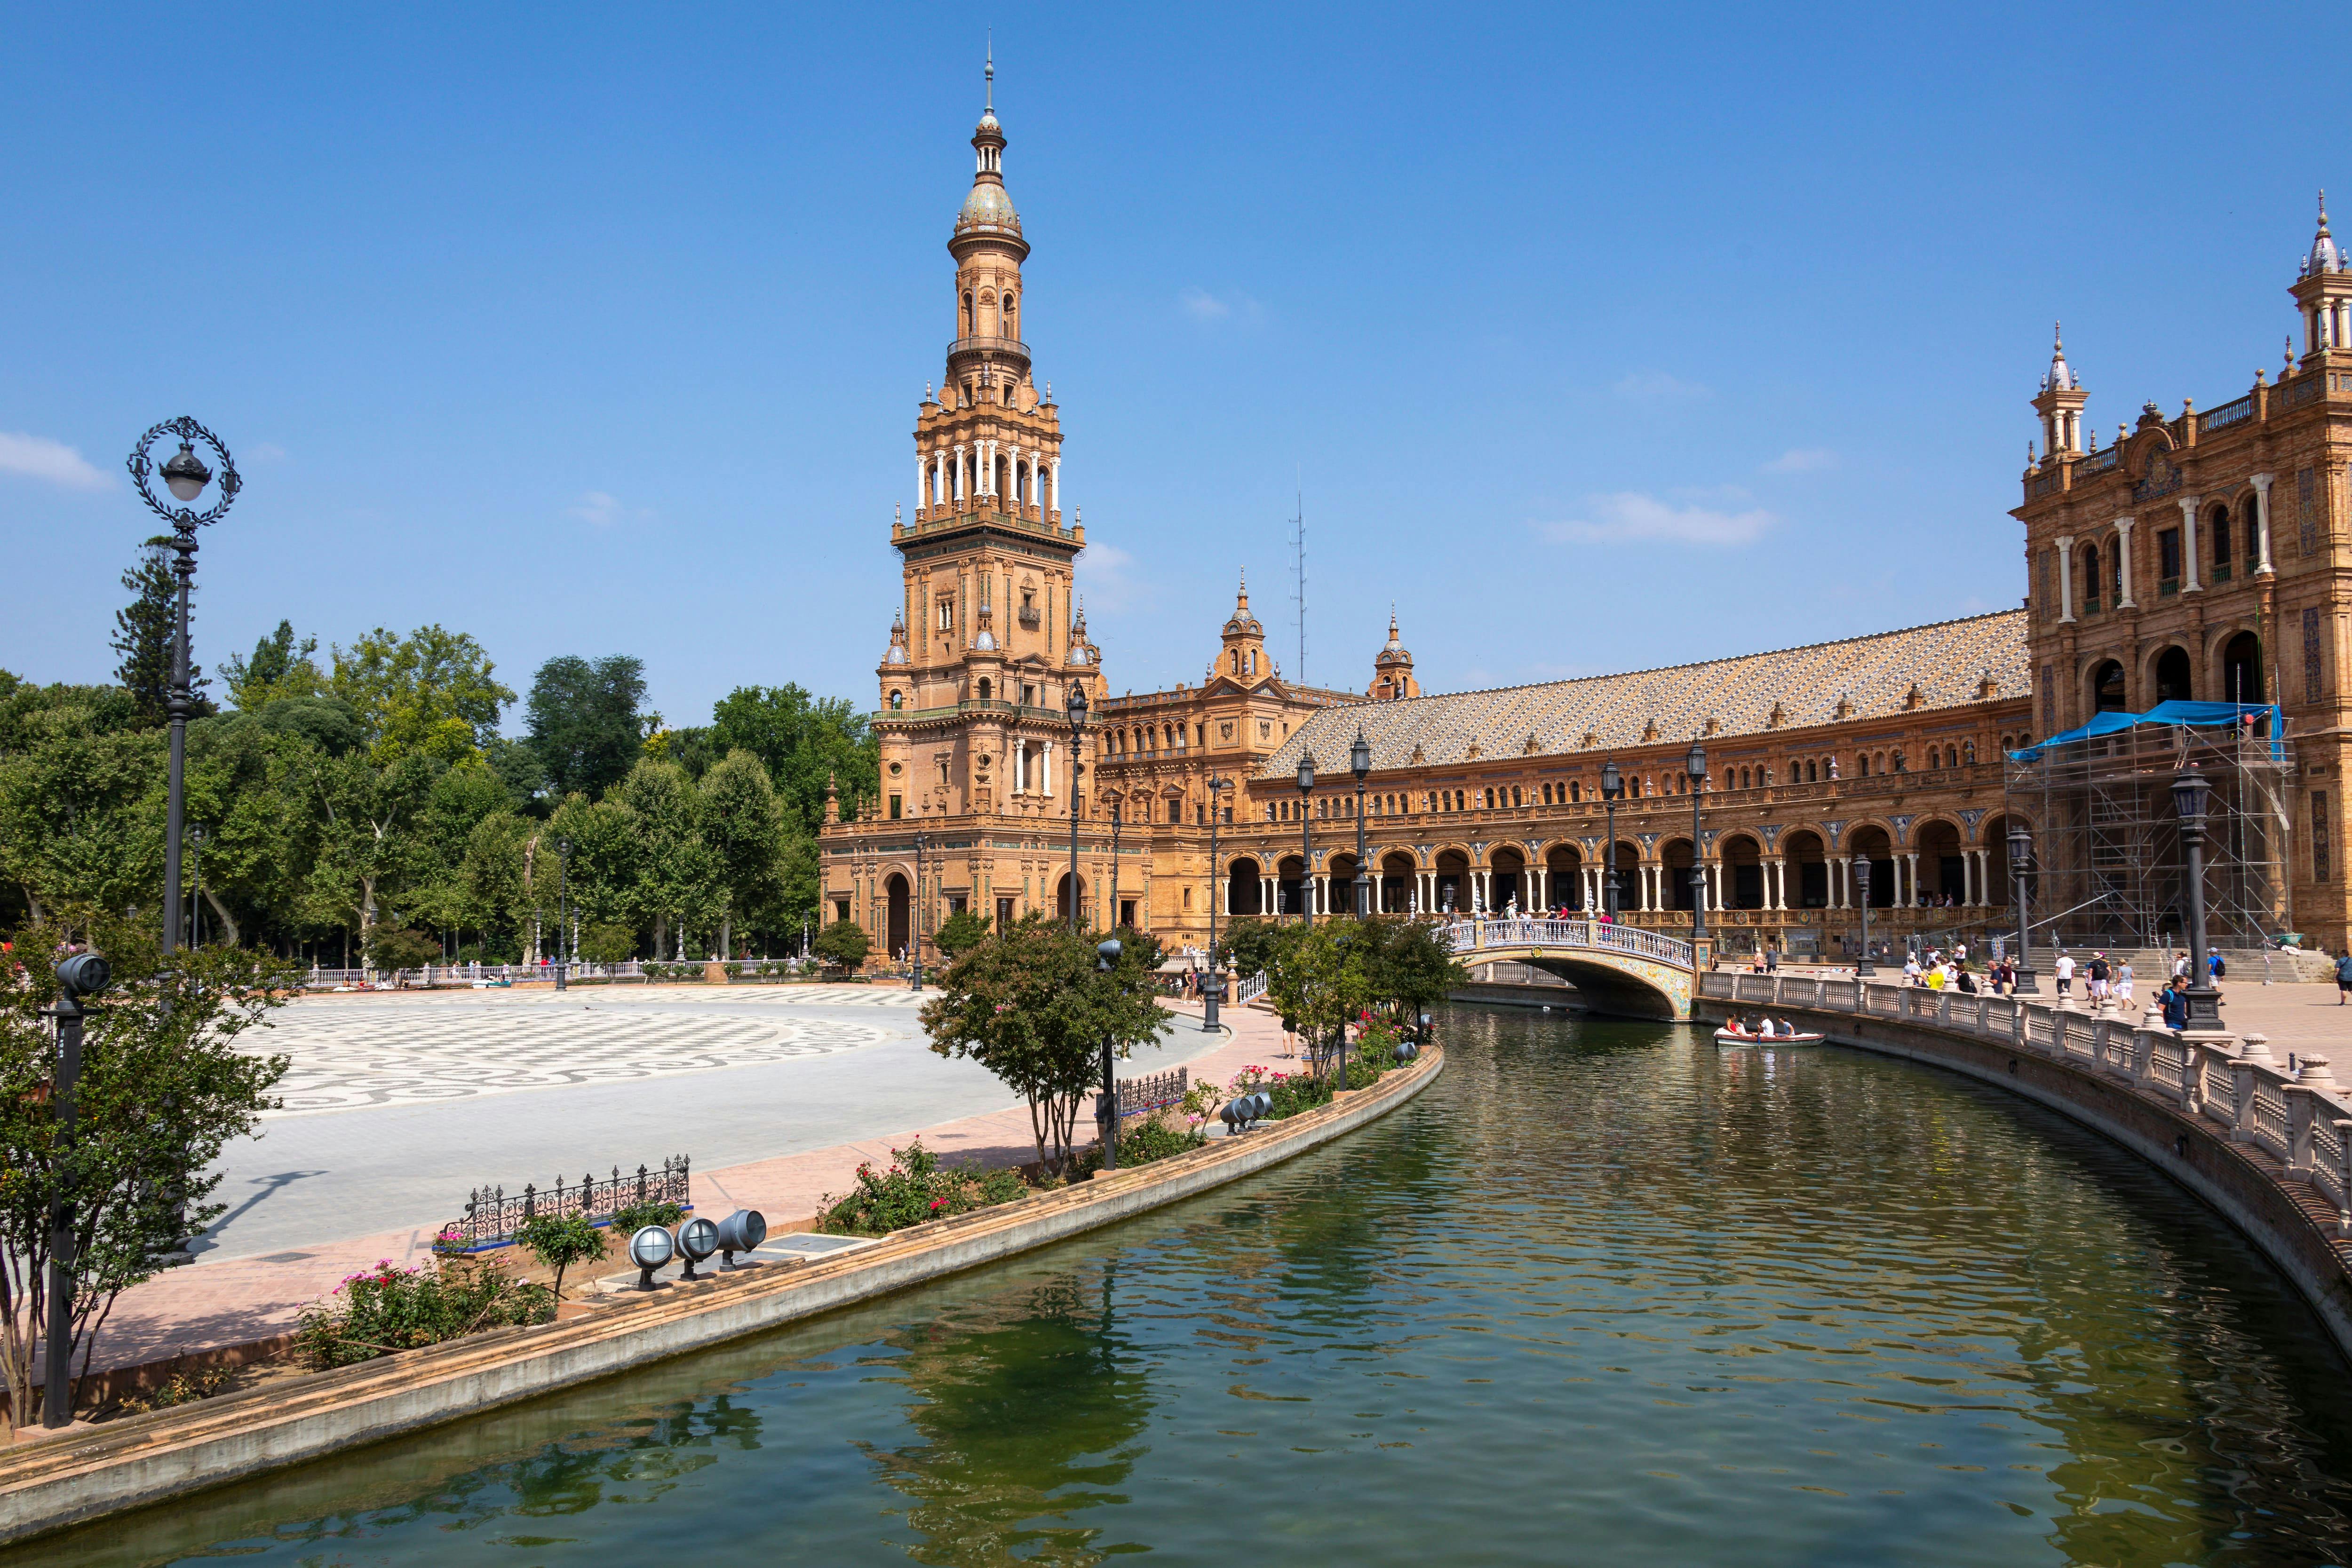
{"points": [[1886, 748]]}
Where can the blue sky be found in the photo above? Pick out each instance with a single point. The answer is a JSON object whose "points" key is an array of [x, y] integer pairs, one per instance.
{"points": [[1598, 338]]}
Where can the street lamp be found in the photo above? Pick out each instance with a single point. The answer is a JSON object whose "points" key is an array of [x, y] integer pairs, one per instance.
{"points": [[2020, 862], [1612, 789], [1105, 960], [562, 905], [197, 837], [1306, 838], [1113, 907], [922, 841], [1359, 763], [1216, 985], [2188, 792], [1694, 764], [1862, 889], [1077, 711], [185, 476]]}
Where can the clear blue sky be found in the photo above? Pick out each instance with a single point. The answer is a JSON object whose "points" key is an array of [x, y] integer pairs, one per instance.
{"points": [[1599, 337]]}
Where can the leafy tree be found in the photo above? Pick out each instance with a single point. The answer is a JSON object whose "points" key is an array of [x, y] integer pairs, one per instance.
{"points": [[844, 942], [281, 667], [328, 723], [583, 722], [1030, 1006], [743, 827], [677, 874], [606, 854], [608, 944], [76, 824], [959, 933], [516, 762], [430, 693], [396, 947], [166, 1083], [1408, 967], [558, 1241], [145, 630], [804, 742], [1250, 945]]}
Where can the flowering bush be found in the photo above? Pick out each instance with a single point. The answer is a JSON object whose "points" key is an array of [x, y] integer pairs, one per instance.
{"points": [[1291, 1093], [912, 1190], [632, 1217], [387, 1309]]}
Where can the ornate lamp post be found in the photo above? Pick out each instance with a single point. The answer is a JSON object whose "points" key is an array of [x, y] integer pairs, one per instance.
{"points": [[1306, 838], [1612, 789], [1696, 765], [2020, 862], [1215, 986], [2188, 792], [1862, 888], [185, 476], [1359, 763], [562, 906], [1105, 960], [922, 843], [1078, 712], [1111, 910], [83, 975]]}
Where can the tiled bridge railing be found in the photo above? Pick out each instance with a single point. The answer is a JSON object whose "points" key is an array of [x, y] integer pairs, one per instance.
{"points": [[2300, 1117], [1595, 936]]}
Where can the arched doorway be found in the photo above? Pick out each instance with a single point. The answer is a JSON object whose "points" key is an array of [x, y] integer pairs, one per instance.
{"points": [[900, 924], [1397, 882], [1564, 873], [1290, 886], [2107, 691], [1453, 880], [1675, 861], [1061, 898], [1625, 864], [1342, 891], [1871, 844], [2001, 888], [1743, 873], [1507, 881], [1244, 888], [2241, 669], [1941, 873], [1809, 870], [2172, 677]]}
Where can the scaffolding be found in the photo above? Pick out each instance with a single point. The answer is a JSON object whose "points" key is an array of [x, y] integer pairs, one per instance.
{"points": [[2109, 868]]}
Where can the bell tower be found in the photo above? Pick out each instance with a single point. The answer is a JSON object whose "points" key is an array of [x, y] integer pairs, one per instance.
{"points": [[2324, 292], [974, 689], [2060, 403]]}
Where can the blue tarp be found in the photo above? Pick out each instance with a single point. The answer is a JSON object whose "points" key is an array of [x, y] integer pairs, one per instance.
{"points": [[2202, 716]]}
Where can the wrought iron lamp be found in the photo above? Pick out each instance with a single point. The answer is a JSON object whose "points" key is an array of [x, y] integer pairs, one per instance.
{"points": [[1213, 984], [1077, 708], [1861, 967], [83, 975], [2021, 863], [1612, 789], [1694, 764], [1359, 763], [2189, 791], [1306, 837], [562, 906]]}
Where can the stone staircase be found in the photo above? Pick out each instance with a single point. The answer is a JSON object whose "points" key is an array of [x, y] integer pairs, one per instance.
{"points": [[2151, 964]]}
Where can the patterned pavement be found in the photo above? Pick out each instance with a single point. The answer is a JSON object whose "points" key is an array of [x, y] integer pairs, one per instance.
{"points": [[355, 1054]]}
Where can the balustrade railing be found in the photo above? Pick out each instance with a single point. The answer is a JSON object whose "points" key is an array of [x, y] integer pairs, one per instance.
{"points": [[2227, 414], [2299, 1116], [319, 977], [1601, 936]]}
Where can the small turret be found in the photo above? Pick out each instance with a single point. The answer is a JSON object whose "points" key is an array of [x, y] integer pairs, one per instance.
{"points": [[2060, 403], [1392, 668], [1243, 658], [2324, 292]]}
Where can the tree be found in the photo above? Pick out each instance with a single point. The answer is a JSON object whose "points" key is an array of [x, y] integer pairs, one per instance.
{"points": [[281, 667], [1250, 945], [166, 1083], [1031, 1006], [843, 943], [743, 827], [959, 933], [804, 742], [558, 1241], [677, 874], [608, 944], [430, 693], [1408, 967], [583, 723], [392, 948], [146, 630]]}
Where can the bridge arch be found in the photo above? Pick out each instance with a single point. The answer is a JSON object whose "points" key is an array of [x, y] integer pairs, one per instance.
{"points": [[1617, 969]]}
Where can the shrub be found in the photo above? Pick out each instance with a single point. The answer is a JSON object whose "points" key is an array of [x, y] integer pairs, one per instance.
{"points": [[959, 933], [396, 947], [628, 1221], [1291, 1093], [1152, 1139], [560, 1241], [390, 1309], [610, 943], [912, 1190], [843, 943]]}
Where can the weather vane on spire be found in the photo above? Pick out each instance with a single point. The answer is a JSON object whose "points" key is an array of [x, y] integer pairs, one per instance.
{"points": [[989, 72]]}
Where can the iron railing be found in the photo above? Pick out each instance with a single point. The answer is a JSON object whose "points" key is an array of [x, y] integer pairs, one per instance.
{"points": [[492, 1218], [1157, 1092]]}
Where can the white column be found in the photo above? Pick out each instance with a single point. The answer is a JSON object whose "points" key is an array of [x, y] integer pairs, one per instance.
{"points": [[2122, 561], [2262, 484], [922, 482], [1266, 897], [1048, 750], [1842, 881], [1055, 471], [2189, 583], [1984, 878], [2065, 543], [1913, 857], [956, 478], [1780, 882]]}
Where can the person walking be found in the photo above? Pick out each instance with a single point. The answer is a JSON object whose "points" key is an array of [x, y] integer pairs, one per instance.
{"points": [[2176, 1005], [2124, 982], [2064, 972], [2098, 977], [2343, 978]]}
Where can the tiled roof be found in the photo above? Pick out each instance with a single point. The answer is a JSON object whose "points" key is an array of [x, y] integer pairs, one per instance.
{"points": [[1873, 676]]}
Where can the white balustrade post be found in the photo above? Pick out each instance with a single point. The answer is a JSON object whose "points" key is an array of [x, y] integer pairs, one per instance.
{"points": [[2066, 543], [2189, 583], [2262, 484], [2124, 564]]}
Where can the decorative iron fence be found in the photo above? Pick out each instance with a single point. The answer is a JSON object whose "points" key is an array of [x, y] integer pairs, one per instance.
{"points": [[492, 1217], [1157, 1092]]}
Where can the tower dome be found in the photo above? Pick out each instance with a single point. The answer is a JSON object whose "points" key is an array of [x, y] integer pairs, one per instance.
{"points": [[2060, 375], [2326, 256], [1392, 668], [989, 209]]}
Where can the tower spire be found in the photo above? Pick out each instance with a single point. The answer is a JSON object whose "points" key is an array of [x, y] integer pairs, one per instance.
{"points": [[989, 74]]}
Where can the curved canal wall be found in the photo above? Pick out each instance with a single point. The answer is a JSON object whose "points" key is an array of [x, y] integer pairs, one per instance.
{"points": [[46, 1483], [2268, 1148]]}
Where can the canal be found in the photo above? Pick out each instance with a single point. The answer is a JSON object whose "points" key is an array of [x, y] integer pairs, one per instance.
{"points": [[1602, 1295]]}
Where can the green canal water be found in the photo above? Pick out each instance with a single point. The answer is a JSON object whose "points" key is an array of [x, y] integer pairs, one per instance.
{"points": [[1602, 1295]]}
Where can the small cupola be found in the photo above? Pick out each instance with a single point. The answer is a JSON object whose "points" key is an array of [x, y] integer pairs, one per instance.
{"points": [[1392, 668]]}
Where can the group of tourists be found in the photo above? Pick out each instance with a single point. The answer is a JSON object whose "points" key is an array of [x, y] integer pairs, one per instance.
{"points": [[1767, 1028]]}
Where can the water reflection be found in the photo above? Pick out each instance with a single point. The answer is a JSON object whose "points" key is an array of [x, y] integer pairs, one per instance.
{"points": [[1603, 1294]]}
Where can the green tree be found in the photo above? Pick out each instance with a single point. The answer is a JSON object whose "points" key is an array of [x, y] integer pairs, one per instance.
{"points": [[281, 667], [166, 1083], [743, 827], [430, 693], [396, 947], [679, 887], [609, 943], [804, 742], [959, 933], [1408, 967], [1250, 945], [76, 825], [145, 630], [558, 1241], [583, 723], [1031, 1006], [844, 942]]}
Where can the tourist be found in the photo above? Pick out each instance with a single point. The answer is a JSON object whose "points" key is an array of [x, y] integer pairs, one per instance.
{"points": [[1967, 981], [1771, 960], [2217, 965], [2180, 966], [2124, 982], [2343, 978], [2098, 977], [1910, 968], [2063, 971], [2175, 1001]]}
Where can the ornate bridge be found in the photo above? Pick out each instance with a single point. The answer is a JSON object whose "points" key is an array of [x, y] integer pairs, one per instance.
{"points": [[1621, 969]]}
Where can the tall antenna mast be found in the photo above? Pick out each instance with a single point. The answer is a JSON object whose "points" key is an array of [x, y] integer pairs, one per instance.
{"points": [[1298, 557]]}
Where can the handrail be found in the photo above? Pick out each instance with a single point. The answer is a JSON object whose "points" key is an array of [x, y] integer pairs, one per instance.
{"points": [[1475, 936]]}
